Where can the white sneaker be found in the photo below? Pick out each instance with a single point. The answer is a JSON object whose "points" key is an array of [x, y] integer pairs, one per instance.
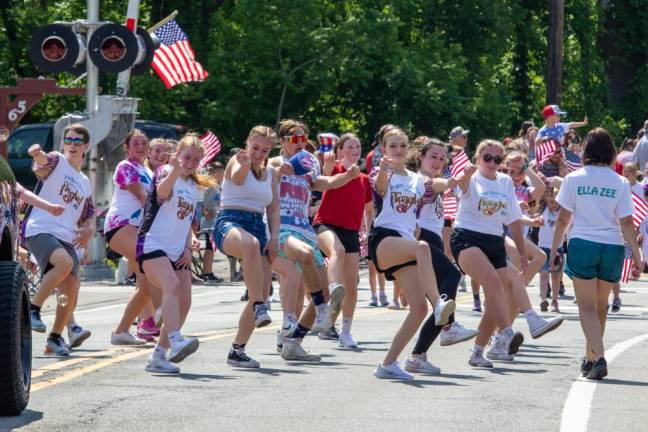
{"points": [[347, 341], [283, 334], [462, 283], [158, 317], [456, 333], [160, 365], [420, 364], [125, 338], [393, 371], [443, 309], [478, 360], [539, 326], [292, 350], [76, 335], [337, 295], [183, 349], [322, 319], [498, 350], [513, 342]]}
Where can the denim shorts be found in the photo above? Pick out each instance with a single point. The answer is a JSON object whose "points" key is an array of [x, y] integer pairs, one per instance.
{"points": [[286, 232], [246, 220], [592, 260]]}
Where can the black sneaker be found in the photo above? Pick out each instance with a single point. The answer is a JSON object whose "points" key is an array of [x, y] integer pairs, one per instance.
{"points": [[211, 277], [245, 297], [544, 306], [238, 358], [586, 366], [261, 317], [330, 334], [131, 280], [599, 370], [616, 305]]}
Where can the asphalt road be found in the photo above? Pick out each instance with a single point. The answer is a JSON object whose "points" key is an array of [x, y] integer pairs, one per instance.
{"points": [[102, 387]]}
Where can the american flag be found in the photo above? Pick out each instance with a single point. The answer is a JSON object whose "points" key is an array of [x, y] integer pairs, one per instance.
{"points": [[174, 61], [545, 150], [627, 264], [574, 161], [459, 162], [449, 205], [212, 148], [640, 209]]}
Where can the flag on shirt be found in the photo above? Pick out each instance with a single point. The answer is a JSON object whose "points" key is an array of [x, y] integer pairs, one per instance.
{"points": [[174, 61], [545, 150], [459, 162], [574, 161], [640, 209], [212, 148], [627, 264]]}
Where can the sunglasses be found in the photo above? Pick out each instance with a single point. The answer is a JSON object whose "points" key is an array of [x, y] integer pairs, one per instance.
{"points": [[78, 142], [490, 158], [296, 139]]}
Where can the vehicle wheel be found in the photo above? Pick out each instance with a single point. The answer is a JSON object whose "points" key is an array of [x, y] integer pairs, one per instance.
{"points": [[15, 334]]}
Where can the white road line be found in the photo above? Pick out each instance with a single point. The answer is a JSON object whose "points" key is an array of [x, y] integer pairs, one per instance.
{"points": [[576, 411]]}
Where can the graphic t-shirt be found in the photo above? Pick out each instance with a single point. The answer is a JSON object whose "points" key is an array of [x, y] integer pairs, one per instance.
{"points": [[557, 132], [166, 223], [401, 202], [545, 234], [125, 207], [65, 186], [294, 201], [488, 205], [597, 197], [430, 214]]}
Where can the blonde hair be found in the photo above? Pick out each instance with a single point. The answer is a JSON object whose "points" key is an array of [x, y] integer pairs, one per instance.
{"points": [[264, 132], [395, 130], [193, 140], [631, 166], [487, 143], [514, 155], [169, 146]]}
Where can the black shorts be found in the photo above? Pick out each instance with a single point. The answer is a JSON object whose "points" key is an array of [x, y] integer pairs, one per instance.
{"points": [[376, 235], [208, 241], [157, 254], [110, 234], [350, 239], [431, 238], [491, 245]]}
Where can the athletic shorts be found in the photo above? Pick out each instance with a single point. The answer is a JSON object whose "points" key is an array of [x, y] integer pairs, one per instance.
{"points": [[248, 221], [491, 245], [157, 254], [591, 260], [42, 246], [350, 239], [286, 232], [546, 266], [377, 235]]}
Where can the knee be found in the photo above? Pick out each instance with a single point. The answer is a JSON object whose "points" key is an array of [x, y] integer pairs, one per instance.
{"points": [[423, 250], [306, 257], [172, 287], [64, 263], [419, 310], [493, 283], [251, 248]]}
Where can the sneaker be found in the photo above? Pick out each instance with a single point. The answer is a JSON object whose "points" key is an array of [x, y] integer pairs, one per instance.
{"points": [[292, 350], [144, 337], [158, 317], [245, 296], [586, 366], [261, 317], [131, 280], [211, 277], [337, 295], [616, 305], [56, 347], [554, 307], [599, 370], [268, 304], [322, 318], [125, 338], [477, 360], [183, 349], [539, 326], [238, 358], [147, 327], [393, 371], [37, 323], [395, 306], [76, 335], [330, 334], [420, 364], [498, 350], [544, 306], [513, 344], [373, 302], [462, 284], [347, 341], [455, 333], [443, 309], [284, 333], [477, 305], [160, 365], [383, 300]]}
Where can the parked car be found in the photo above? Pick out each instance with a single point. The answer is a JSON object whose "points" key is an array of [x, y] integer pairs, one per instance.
{"points": [[42, 133]]}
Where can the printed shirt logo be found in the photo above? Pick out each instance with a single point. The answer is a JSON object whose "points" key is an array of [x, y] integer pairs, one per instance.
{"points": [[491, 203], [69, 192], [185, 208], [403, 198]]}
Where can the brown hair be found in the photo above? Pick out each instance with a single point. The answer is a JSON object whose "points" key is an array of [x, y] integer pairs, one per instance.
{"points": [[78, 128], [599, 148], [193, 140], [487, 143], [131, 134], [344, 138], [288, 126], [389, 131]]}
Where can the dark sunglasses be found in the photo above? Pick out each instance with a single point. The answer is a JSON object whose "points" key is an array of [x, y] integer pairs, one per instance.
{"points": [[490, 158], [296, 139], [78, 142]]}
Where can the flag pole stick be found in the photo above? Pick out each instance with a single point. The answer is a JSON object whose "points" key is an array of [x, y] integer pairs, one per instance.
{"points": [[152, 29]]}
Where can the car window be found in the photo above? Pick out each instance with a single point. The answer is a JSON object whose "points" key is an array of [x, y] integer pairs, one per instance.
{"points": [[158, 132], [20, 141]]}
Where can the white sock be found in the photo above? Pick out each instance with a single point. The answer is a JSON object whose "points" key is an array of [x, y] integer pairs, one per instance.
{"points": [[530, 313], [289, 320], [159, 352], [346, 325], [507, 332], [478, 349], [175, 337]]}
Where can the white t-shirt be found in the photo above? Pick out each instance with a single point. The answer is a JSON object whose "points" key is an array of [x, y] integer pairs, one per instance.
{"points": [[400, 203], [125, 207], [597, 197], [488, 205], [65, 186], [546, 232], [430, 215], [166, 224]]}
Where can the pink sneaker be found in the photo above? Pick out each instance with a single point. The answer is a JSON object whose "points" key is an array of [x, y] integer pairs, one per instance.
{"points": [[147, 327]]}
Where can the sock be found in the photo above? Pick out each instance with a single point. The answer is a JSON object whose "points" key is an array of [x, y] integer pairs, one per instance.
{"points": [[54, 336], [318, 297], [476, 297], [346, 325], [507, 332], [300, 332], [255, 304], [175, 337], [159, 352], [530, 313], [238, 347], [289, 320], [35, 308], [478, 349]]}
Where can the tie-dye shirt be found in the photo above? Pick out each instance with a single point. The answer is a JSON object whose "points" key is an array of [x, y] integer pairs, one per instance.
{"points": [[125, 207]]}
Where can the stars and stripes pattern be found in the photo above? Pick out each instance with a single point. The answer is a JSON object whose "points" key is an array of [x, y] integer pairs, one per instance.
{"points": [[545, 150], [627, 264], [174, 61], [327, 141], [212, 148], [459, 162], [640, 209], [573, 161], [449, 200]]}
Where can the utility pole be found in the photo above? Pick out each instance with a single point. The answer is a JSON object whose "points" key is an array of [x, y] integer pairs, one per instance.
{"points": [[555, 51]]}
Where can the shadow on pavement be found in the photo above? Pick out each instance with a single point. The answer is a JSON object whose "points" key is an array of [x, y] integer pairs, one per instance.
{"points": [[28, 416], [623, 382], [506, 371], [196, 377], [420, 383], [271, 371]]}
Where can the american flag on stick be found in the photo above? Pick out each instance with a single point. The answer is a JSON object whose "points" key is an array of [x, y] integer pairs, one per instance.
{"points": [[212, 148], [545, 150], [174, 61], [627, 264], [459, 162], [574, 161], [449, 200], [640, 209]]}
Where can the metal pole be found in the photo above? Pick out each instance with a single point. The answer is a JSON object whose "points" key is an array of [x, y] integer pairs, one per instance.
{"points": [[92, 80], [132, 15]]}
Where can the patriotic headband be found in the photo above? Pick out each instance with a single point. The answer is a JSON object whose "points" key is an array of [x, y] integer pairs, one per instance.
{"points": [[327, 141]]}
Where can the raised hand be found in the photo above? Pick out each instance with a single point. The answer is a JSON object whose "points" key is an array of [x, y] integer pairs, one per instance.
{"points": [[385, 163], [34, 150], [243, 158]]}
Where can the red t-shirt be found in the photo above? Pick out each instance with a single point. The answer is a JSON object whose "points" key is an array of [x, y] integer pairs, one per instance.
{"points": [[369, 161], [343, 207]]}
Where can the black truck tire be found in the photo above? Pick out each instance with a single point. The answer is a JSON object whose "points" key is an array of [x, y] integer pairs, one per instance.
{"points": [[15, 334]]}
